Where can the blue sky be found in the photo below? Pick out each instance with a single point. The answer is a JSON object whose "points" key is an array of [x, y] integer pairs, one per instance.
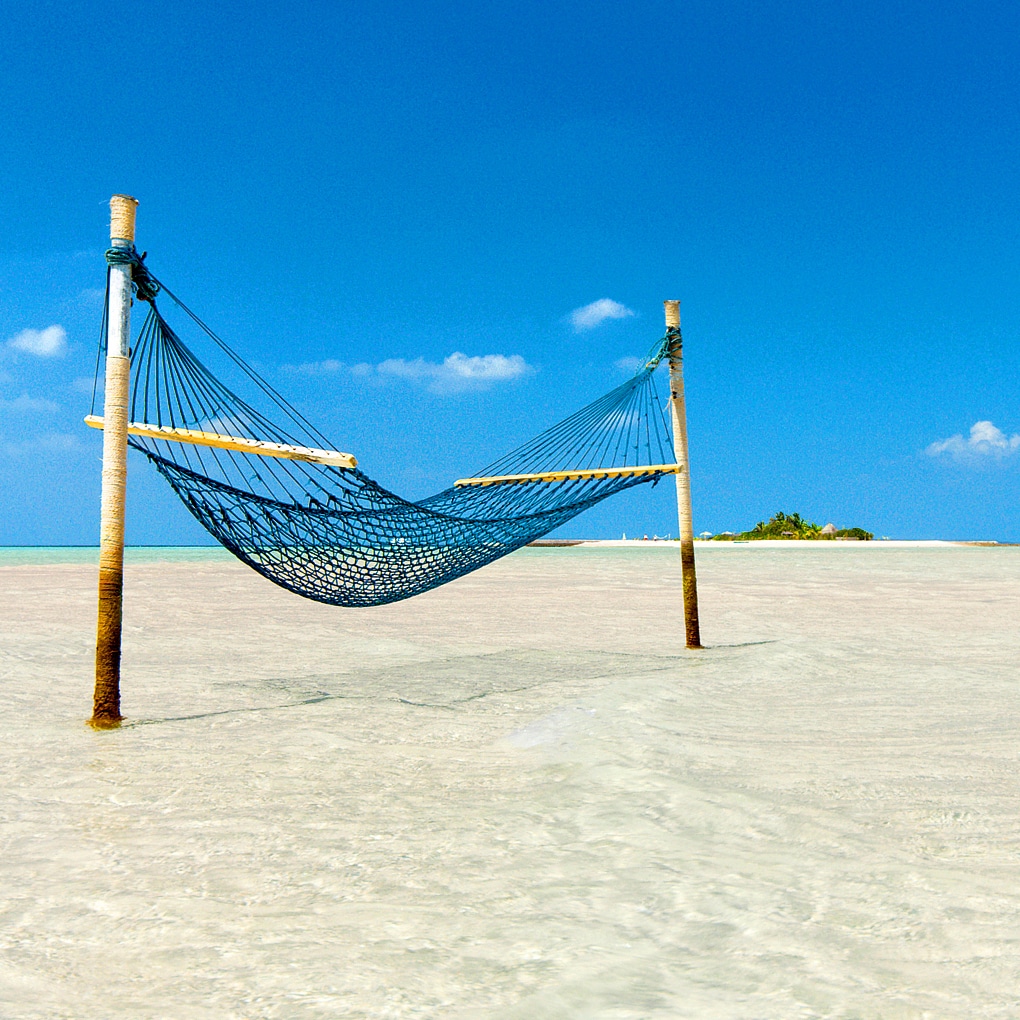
{"points": [[830, 189]]}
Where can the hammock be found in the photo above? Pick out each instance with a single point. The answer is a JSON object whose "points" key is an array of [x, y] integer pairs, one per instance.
{"points": [[285, 501]]}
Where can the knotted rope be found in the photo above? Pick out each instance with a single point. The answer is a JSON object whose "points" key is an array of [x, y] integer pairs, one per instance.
{"points": [[145, 284]]}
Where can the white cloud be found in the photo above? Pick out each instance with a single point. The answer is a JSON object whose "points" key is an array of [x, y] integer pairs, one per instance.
{"points": [[328, 367], [457, 372], [91, 297], [630, 364], [59, 442], [53, 442], [984, 442], [27, 403], [50, 342], [597, 312], [230, 425]]}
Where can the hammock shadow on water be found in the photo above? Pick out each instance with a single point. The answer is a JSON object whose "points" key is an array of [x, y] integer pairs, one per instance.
{"points": [[738, 644], [446, 684]]}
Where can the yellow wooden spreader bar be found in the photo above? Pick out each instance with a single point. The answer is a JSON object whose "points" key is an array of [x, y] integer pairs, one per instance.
{"points": [[571, 475], [238, 443]]}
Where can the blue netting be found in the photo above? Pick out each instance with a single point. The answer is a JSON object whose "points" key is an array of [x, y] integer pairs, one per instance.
{"points": [[332, 534]]}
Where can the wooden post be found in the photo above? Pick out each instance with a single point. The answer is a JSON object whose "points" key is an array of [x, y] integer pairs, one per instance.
{"points": [[106, 701], [683, 479]]}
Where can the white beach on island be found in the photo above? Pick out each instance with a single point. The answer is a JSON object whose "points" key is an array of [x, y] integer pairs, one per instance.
{"points": [[776, 543], [519, 796]]}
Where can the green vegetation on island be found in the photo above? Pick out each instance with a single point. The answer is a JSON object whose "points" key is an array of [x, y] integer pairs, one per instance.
{"points": [[792, 527]]}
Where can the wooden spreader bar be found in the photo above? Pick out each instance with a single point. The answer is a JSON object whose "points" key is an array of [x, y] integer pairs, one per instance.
{"points": [[571, 475], [237, 443]]}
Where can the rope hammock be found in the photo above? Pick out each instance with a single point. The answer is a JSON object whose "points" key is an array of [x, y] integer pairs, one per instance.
{"points": [[284, 500]]}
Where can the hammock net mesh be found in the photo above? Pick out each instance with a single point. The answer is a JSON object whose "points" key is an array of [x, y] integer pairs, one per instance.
{"points": [[334, 535]]}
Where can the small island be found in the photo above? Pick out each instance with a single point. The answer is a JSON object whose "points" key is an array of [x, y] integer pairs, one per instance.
{"points": [[793, 527]]}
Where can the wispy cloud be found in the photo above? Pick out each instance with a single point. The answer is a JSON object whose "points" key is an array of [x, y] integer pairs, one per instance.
{"points": [[59, 441], [328, 367], [630, 364], [985, 443], [51, 442], [31, 404], [91, 297], [458, 372], [50, 342], [597, 312]]}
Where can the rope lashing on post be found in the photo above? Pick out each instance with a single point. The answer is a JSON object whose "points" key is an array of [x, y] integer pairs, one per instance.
{"points": [[329, 532], [672, 342], [146, 286]]}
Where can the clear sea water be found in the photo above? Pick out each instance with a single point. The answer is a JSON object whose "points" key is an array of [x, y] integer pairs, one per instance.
{"points": [[518, 796], [37, 555]]}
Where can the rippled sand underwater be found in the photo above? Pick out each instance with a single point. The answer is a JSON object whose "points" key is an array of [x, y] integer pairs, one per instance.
{"points": [[519, 796]]}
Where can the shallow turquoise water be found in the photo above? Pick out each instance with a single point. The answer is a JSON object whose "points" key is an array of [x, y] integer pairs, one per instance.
{"points": [[41, 555], [518, 797]]}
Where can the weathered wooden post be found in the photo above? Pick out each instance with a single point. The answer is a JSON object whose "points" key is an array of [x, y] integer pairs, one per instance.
{"points": [[106, 701], [678, 408]]}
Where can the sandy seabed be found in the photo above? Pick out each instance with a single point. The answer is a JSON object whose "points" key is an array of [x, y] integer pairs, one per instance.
{"points": [[519, 796]]}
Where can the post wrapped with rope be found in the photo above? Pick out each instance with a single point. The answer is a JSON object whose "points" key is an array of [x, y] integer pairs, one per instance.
{"points": [[116, 341], [678, 410]]}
